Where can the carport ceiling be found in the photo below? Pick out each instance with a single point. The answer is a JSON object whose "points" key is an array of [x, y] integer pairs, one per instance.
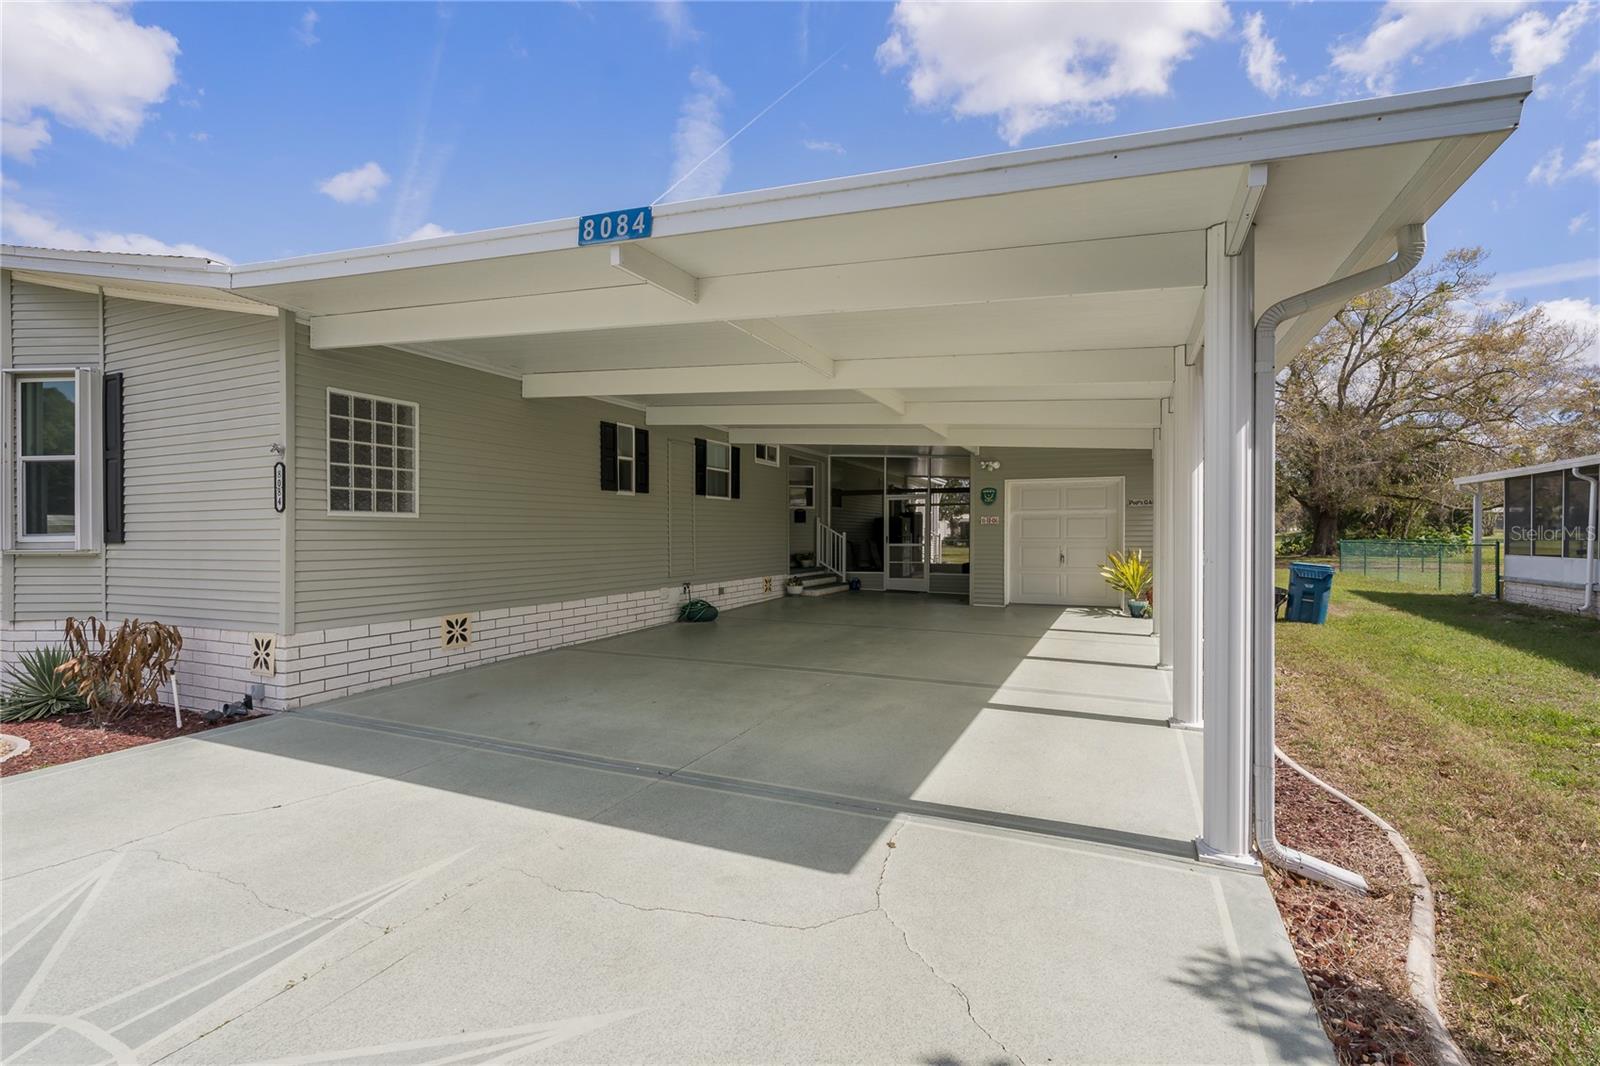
{"points": [[1045, 295]]}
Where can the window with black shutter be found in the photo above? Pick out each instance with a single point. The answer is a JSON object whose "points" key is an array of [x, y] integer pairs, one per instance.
{"points": [[608, 457], [716, 469]]}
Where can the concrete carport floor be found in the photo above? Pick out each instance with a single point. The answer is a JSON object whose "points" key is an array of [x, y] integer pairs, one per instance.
{"points": [[868, 828]]}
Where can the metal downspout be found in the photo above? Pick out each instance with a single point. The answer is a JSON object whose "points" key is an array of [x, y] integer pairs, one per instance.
{"points": [[1588, 565], [1411, 241]]}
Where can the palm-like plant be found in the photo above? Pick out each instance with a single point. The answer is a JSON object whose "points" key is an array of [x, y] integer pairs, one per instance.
{"points": [[1128, 573], [37, 688]]}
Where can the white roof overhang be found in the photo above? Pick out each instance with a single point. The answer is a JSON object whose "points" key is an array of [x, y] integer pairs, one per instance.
{"points": [[1038, 295], [1524, 471]]}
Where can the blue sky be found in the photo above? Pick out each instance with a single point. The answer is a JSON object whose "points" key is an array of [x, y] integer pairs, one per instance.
{"points": [[258, 131]]}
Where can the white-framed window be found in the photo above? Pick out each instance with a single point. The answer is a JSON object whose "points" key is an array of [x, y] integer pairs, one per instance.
{"points": [[626, 459], [719, 470], [767, 454], [372, 455], [53, 435]]}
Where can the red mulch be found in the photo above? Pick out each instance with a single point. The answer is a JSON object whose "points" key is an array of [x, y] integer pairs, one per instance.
{"points": [[74, 736], [1352, 949]]}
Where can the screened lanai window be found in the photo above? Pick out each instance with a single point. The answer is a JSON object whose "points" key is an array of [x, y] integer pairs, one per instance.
{"points": [[1577, 515], [1519, 531], [1547, 513], [372, 455]]}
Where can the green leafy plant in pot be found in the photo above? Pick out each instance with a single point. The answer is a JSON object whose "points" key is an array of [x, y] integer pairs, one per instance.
{"points": [[1131, 576]]}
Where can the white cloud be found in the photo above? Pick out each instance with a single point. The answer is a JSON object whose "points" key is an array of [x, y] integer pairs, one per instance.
{"points": [[1555, 274], [1535, 42], [1577, 223], [1552, 168], [305, 31], [88, 66], [1263, 63], [696, 171], [1583, 315], [358, 186], [428, 230], [1405, 28], [25, 226], [824, 146], [20, 140], [674, 15], [1038, 65]]}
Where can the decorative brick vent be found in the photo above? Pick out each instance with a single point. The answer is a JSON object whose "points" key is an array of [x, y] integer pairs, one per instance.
{"points": [[455, 631], [263, 654]]}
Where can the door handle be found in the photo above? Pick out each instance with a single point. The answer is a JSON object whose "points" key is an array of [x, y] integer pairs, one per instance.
{"points": [[1062, 561]]}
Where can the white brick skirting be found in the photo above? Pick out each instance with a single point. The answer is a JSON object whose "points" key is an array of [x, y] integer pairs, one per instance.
{"points": [[324, 664], [1542, 594]]}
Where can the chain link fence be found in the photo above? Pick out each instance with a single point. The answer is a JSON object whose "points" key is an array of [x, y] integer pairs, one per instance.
{"points": [[1446, 567]]}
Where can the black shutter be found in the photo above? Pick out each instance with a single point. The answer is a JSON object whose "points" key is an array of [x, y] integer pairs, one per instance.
{"points": [[641, 460], [608, 456], [699, 466], [734, 476], [111, 400]]}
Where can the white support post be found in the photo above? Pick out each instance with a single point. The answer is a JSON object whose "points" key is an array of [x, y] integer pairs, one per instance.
{"points": [[1162, 500], [1477, 540], [1229, 340], [1187, 509]]}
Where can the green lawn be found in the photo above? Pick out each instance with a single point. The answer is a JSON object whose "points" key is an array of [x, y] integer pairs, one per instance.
{"points": [[1474, 726]]}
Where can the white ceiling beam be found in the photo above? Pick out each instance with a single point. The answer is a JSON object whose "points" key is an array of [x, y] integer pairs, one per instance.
{"points": [[651, 269], [1084, 414], [893, 399], [1100, 372], [1114, 264], [969, 437], [1246, 201], [781, 340]]}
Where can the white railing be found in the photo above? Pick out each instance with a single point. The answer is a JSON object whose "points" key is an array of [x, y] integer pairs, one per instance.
{"points": [[831, 549]]}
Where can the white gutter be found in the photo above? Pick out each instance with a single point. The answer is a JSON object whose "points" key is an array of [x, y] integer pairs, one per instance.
{"points": [[1588, 565], [1410, 244]]}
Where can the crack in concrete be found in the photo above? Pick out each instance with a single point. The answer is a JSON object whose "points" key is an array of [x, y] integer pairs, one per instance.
{"points": [[566, 890], [966, 1000], [252, 893]]}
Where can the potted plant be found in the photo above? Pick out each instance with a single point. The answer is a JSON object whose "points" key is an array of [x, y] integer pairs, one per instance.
{"points": [[1130, 575], [793, 587]]}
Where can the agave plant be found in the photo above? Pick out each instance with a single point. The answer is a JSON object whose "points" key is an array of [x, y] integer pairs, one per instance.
{"points": [[37, 688], [1128, 573]]}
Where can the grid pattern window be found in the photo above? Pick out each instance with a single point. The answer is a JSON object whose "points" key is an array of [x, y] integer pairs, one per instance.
{"points": [[719, 470], [767, 454], [626, 458], [47, 459], [372, 455]]}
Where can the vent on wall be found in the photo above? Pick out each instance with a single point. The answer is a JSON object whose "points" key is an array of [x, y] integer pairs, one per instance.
{"points": [[455, 631], [263, 654]]}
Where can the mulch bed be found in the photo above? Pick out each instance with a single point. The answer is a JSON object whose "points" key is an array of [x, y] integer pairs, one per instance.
{"points": [[74, 736], [1352, 949]]}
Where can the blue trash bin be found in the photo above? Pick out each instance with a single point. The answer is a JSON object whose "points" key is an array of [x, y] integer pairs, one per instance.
{"points": [[1310, 586]]}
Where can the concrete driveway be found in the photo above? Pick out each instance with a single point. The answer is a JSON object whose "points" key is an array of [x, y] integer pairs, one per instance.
{"points": [[870, 828]]}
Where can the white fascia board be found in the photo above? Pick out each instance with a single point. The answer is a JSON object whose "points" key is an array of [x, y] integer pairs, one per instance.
{"points": [[1163, 261], [116, 266], [1525, 471], [1083, 414], [843, 437], [1455, 111], [1105, 372]]}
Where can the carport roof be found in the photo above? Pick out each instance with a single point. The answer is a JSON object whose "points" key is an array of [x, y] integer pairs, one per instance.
{"points": [[1051, 288]]}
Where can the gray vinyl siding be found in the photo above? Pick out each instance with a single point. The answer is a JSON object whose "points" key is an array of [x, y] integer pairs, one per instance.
{"points": [[988, 542], [510, 509], [200, 416], [52, 328]]}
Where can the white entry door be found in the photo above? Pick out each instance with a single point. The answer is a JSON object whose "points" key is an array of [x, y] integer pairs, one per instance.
{"points": [[1058, 534]]}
